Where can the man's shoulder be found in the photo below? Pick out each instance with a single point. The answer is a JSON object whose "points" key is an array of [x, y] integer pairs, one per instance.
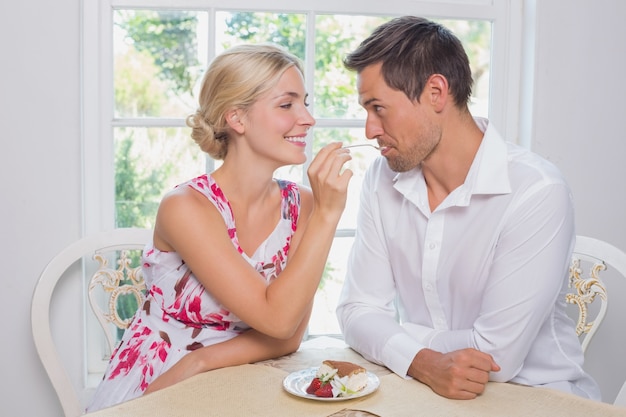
{"points": [[528, 166]]}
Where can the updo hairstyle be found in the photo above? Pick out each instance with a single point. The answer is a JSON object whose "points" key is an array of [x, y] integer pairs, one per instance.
{"points": [[235, 80]]}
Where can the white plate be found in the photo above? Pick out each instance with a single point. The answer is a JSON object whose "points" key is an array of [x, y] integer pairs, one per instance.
{"points": [[297, 382]]}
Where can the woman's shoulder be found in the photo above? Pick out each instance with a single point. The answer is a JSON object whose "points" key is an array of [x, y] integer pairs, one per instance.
{"points": [[206, 186], [287, 184], [298, 195], [196, 192], [291, 189], [184, 208], [200, 183], [182, 198]]}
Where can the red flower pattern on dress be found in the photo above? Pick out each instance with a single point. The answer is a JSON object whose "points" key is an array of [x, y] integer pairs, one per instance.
{"points": [[127, 356], [157, 351]]}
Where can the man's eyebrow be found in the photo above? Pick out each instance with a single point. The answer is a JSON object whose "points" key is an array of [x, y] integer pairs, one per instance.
{"points": [[369, 101]]}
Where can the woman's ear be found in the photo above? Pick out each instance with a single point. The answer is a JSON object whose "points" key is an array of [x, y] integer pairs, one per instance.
{"points": [[438, 91], [233, 118]]}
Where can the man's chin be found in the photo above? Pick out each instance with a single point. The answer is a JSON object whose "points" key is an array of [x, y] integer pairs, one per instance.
{"points": [[398, 166]]}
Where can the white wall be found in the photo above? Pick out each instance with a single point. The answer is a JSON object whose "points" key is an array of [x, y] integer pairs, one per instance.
{"points": [[40, 209], [578, 114]]}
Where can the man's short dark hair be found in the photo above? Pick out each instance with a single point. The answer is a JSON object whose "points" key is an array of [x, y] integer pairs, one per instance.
{"points": [[411, 49]]}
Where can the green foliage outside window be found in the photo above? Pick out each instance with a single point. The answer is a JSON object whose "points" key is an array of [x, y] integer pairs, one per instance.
{"points": [[136, 196], [169, 38]]}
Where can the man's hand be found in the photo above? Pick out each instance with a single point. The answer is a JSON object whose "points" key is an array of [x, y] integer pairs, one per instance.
{"points": [[461, 374]]}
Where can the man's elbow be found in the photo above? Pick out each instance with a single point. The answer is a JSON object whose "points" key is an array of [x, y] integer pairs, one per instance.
{"points": [[505, 374]]}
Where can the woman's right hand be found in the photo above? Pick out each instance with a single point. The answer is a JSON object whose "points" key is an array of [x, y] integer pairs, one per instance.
{"points": [[329, 180]]}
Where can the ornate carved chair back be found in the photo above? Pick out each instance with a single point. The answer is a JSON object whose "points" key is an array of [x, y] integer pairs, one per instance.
{"points": [[593, 262]]}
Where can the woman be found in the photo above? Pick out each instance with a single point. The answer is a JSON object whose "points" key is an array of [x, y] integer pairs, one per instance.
{"points": [[236, 255]]}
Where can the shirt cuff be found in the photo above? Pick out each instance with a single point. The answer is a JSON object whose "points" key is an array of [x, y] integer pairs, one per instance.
{"points": [[399, 352]]}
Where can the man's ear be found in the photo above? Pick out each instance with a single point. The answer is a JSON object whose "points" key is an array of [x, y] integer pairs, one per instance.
{"points": [[233, 118], [438, 91]]}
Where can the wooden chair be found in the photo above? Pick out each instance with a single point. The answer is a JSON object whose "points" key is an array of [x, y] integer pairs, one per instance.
{"points": [[111, 276], [591, 257]]}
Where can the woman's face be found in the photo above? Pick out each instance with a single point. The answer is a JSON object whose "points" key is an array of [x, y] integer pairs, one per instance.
{"points": [[276, 124]]}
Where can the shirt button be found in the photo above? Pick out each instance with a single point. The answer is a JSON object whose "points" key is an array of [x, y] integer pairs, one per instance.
{"points": [[429, 287], [432, 245]]}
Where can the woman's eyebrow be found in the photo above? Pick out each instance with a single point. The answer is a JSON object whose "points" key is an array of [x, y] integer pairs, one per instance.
{"points": [[292, 94]]}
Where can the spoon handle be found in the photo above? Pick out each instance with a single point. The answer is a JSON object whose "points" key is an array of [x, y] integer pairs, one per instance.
{"points": [[362, 144]]}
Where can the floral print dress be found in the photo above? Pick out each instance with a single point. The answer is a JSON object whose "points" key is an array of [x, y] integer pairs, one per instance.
{"points": [[179, 316]]}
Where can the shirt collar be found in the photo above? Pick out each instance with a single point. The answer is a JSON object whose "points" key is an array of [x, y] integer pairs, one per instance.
{"points": [[489, 173]]}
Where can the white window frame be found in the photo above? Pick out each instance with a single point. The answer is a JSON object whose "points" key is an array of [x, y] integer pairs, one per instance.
{"points": [[98, 121], [97, 72]]}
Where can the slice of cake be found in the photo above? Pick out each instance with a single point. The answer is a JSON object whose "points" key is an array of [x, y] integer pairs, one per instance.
{"points": [[337, 379]]}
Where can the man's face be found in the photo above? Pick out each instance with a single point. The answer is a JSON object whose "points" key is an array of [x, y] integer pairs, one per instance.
{"points": [[404, 129]]}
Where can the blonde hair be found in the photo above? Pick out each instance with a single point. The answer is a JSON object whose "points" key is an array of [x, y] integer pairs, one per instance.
{"points": [[235, 80]]}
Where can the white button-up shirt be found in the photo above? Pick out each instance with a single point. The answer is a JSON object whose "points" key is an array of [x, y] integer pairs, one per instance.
{"points": [[487, 269]]}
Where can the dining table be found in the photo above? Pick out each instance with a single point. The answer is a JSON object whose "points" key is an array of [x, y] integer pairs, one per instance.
{"points": [[262, 389]]}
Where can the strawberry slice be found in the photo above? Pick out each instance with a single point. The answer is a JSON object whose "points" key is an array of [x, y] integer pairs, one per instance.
{"points": [[315, 384], [326, 390]]}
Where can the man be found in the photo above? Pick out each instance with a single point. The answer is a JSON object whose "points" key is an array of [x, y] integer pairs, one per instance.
{"points": [[459, 267]]}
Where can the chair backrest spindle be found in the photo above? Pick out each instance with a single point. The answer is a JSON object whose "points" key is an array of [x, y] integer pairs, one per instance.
{"points": [[115, 283]]}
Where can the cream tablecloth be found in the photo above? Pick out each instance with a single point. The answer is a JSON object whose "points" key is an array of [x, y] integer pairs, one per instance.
{"points": [[256, 390]]}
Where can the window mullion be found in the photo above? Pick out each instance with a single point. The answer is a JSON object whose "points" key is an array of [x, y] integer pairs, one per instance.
{"points": [[506, 69], [309, 78], [97, 63], [148, 122]]}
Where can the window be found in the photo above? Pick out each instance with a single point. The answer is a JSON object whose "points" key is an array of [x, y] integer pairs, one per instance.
{"points": [[143, 61]]}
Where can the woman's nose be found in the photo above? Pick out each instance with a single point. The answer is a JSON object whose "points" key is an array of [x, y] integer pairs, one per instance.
{"points": [[307, 118]]}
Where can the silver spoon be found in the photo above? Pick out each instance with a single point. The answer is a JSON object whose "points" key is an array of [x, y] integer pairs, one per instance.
{"points": [[363, 144]]}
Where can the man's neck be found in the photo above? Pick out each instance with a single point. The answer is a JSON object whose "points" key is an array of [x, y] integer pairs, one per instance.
{"points": [[446, 169]]}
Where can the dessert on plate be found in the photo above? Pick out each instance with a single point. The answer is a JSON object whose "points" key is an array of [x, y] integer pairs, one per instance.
{"points": [[337, 379]]}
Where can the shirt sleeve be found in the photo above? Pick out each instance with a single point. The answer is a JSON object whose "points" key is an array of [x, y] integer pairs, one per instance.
{"points": [[367, 307], [528, 274]]}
